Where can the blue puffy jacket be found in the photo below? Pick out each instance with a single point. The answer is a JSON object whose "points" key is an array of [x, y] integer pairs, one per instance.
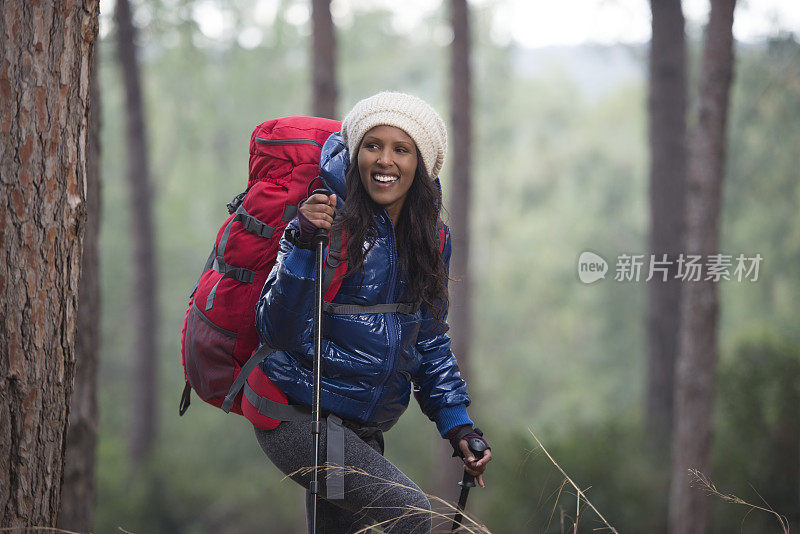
{"points": [[369, 360]]}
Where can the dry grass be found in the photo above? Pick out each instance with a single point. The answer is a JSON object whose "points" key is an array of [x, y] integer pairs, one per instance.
{"points": [[441, 515], [580, 496], [37, 529], [698, 479], [444, 512]]}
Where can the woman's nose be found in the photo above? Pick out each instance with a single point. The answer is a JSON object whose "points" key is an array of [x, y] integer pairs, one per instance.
{"points": [[384, 158]]}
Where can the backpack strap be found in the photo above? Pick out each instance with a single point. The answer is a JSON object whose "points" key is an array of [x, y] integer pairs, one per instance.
{"points": [[265, 406], [336, 267], [273, 409], [409, 308], [209, 264], [252, 224], [245, 276], [289, 213]]}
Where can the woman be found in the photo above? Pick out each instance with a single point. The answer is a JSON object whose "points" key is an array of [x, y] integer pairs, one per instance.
{"points": [[386, 163]]}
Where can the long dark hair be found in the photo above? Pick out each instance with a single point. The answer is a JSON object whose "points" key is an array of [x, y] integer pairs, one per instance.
{"points": [[416, 232]]}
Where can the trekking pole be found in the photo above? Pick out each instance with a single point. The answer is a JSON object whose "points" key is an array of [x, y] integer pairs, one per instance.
{"points": [[320, 240], [478, 447]]}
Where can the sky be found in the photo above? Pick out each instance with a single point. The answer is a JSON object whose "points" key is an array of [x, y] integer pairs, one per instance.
{"points": [[539, 23], [529, 23]]}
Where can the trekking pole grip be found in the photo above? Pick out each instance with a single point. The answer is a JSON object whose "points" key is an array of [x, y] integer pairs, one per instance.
{"points": [[478, 448], [321, 234]]}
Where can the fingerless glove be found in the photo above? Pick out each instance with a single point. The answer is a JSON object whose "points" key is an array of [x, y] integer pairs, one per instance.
{"points": [[456, 434]]}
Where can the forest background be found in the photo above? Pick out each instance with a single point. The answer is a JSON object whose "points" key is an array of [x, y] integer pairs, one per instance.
{"points": [[559, 167]]}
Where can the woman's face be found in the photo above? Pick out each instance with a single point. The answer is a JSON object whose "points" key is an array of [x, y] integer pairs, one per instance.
{"points": [[387, 162]]}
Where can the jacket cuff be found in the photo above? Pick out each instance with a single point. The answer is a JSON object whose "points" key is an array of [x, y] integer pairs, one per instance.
{"points": [[450, 417], [300, 262]]}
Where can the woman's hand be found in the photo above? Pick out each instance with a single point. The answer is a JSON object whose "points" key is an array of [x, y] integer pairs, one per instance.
{"points": [[316, 212], [318, 209], [473, 466]]}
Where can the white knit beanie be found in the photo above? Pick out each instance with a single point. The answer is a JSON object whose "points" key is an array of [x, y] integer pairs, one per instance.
{"points": [[412, 115]]}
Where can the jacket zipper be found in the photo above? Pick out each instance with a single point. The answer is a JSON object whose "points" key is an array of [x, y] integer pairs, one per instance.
{"points": [[263, 141], [391, 327]]}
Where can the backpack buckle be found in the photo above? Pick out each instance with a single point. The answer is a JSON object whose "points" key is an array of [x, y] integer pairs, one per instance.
{"points": [[234, 204]]}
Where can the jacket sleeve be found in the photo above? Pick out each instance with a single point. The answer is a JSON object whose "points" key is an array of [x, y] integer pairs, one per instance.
{"points": [[439, 388], [284, 311]]}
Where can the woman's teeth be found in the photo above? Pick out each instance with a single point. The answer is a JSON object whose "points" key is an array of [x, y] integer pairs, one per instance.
{"points": [[385, 178]]}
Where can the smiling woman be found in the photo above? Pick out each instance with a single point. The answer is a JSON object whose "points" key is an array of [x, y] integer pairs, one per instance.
{"points": [[387, 161], [384, 329]]}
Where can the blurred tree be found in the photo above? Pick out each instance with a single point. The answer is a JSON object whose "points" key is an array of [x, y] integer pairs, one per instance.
{"points": [[143, 414], [667, 135], [45, 57], [460, 183], [323, 60], [78, 492], [667, 129], [460, 311], [696, 365]]}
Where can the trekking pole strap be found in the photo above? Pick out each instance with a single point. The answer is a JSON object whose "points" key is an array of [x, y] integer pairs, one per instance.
{"points": [[334, 443]]}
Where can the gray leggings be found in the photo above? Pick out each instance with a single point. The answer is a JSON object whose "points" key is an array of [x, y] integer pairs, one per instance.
{"points": [[385, 496]]}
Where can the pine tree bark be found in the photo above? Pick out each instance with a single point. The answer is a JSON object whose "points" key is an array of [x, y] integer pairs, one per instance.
{"points": [[78, 491], [323, 60], [460, 311], [145, 388], [696, 366], [45, 56], [667, 134]]}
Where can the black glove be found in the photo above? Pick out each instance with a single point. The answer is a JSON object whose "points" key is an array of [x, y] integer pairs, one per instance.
{"points": [[456, 434]]}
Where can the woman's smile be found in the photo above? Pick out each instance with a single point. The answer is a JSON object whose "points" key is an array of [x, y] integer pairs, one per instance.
{"points": [[385, 178], [387, 163]]}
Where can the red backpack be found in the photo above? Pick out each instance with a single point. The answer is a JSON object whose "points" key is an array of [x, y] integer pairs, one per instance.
{"points": [[219, 335]]}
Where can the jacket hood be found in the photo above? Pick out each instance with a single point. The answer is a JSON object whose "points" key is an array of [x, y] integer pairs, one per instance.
{"points": [[333, 165]]}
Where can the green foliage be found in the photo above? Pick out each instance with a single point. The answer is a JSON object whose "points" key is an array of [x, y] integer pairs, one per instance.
{"points": [[759, 430], [762, 190], [528, 495]]}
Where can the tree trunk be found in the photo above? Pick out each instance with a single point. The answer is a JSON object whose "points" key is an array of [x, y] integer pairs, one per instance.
{"points": [[77, 493], [667, 132], [667, 203], [45, 56], [460, 311], [696, 366], [145, 321], [323, 59]]}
